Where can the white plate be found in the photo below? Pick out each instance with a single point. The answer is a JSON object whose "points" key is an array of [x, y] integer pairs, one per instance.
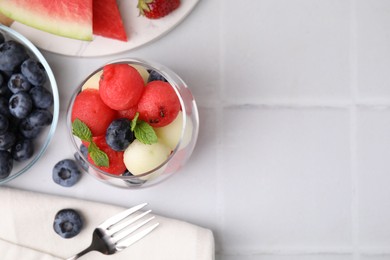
{"points": [[140, 30]]}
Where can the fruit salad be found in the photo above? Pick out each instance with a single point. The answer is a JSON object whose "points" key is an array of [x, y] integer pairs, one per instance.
{"points": [[131, 122]]}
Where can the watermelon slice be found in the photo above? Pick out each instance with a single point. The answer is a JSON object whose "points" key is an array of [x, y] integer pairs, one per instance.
{"points": [[68, 18], [107, 20]]}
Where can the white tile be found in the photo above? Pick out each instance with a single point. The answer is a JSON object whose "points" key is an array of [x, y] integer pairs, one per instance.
{"points": [[373, 25], [285, 177], [374, 178], [375, 257], [192, 53], [287, 257], [289, 50]]}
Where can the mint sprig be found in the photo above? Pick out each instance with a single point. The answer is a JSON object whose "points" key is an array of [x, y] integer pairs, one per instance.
{"points": [[143, 131], [82, 131]]}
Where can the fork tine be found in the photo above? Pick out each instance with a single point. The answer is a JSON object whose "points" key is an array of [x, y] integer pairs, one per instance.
{"points": [[123, 224], [126, 242], [120, 216], [127, 231]]}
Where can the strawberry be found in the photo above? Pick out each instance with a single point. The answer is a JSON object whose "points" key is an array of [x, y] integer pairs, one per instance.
{"points": [[155, 9]]}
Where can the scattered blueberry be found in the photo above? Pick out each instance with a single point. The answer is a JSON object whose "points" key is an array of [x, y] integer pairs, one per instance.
{"points": [[66, 173], [4, 123], [12, 54], [34, 72], [7, 140], [119, 134], [22, 150], [154, 75], [17, 82], [67, 223], [41, 97], [6, 164], [20, 104]]}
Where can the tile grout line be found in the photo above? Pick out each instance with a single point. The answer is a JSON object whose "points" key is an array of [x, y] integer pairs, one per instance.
{"points": [[353, 129], [219, 114]]}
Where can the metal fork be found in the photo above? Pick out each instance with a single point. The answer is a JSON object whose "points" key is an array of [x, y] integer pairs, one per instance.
{"points": [[119, 232]]}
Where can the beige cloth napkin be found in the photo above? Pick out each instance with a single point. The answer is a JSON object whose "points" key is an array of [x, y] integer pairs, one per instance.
{"points": [[26, 231]]}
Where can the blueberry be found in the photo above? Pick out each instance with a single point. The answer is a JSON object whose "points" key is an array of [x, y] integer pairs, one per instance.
{"points": [[4, 108], [4, 90], [119, 134], [41, 97], [66, 173], [7, 140], [154, 75], [12, 54], [4, 123], [84, 150], [22, 150], [17, 82], [6, 164], [67, 223], [133, 181], [2, 38], [34, 72], [27, 130], [40, 118], [20, 104]]}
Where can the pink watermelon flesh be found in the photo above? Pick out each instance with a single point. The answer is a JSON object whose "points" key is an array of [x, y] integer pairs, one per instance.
{"points": [[68, 18], [107, 20]]}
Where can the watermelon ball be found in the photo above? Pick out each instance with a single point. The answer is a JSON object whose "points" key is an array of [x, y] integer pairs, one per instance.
{"points": [[128, 113], [120, 86], [91, 110], [116, 164], [159, 104]]}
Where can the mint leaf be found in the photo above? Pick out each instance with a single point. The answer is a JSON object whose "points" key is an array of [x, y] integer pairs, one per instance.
{"points": [[99, 157], [134, 121], [81, 130], [145, 133]]}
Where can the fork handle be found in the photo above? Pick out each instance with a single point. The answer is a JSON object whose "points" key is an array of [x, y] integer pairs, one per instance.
{"points": [[87, 250]]}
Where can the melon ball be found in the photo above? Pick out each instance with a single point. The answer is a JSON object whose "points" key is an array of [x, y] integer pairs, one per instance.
{"points": [[93, 81], [120, 86], [159, 104], [140, 158], [91, 110], [171, 134]]}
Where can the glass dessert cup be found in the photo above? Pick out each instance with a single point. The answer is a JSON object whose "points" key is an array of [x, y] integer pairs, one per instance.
{"points": [[42, 141], [178, 156]]}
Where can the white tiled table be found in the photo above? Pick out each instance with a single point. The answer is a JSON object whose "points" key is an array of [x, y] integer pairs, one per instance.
{"points": [[293, 158]]}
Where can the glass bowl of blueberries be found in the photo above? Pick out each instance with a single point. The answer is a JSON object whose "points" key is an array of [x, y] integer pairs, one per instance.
{"points": [[133, 123], [29, 104]]}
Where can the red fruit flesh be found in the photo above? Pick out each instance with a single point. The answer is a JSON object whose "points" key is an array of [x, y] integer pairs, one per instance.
{"points": [[116, 164], [129, 113], [120, 86], [157, 8], [90, 109], [107, 20], [159, 104]]}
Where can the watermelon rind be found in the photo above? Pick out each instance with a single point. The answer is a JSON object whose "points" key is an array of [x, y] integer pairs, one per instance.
{"points": [[67, 25]]}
